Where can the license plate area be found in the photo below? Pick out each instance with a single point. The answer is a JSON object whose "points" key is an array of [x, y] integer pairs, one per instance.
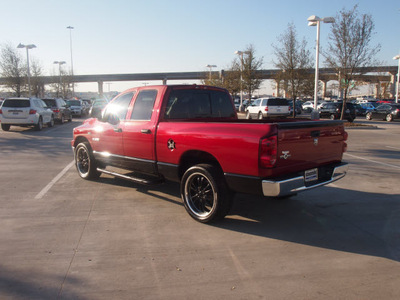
{"points": [[311, 175]]}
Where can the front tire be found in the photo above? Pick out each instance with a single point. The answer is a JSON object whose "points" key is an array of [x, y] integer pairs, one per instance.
{"points": [[204, 192], [248, 116], [368, 116], [85, 162], [51, 123], [389, 117]]}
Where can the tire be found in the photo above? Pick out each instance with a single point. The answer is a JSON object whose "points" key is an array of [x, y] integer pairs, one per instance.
{"points": [[62, 120], [389, 117], [5, 127], [204, 193], [260, 116], [332, 117], [350, 120], [248, 116], [368, 116], [70, 118], [51, 123], [39, 125], [85, 162]]}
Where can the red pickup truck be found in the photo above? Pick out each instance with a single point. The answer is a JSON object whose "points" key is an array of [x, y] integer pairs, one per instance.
{"points": [[192, 134]]}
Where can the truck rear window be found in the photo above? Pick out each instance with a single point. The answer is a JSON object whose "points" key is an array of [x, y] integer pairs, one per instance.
{"points": [[277, 102], [191, 104], [16, 103]]}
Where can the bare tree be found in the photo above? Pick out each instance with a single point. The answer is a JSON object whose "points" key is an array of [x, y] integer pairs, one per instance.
{"points": [[293, 59], [37, 84], [349, 47], [251, 80], [12, 68]]}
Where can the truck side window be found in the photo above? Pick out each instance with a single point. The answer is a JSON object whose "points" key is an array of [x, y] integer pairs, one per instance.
{"points": [[143, 107], [119, 106]]}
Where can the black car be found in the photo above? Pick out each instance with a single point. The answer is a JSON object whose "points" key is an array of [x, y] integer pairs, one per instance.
{"points": [[97, 107], [386, 111], [333, 110], [60, 109]]}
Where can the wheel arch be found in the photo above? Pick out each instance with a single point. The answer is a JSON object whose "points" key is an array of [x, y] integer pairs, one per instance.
{"points": [[196, 157], [81, 139]]}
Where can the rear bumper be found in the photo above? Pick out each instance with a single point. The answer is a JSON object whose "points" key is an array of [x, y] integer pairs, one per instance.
{"points": [[290, 186]]}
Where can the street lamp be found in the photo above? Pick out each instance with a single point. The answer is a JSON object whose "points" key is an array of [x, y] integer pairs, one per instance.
{"points": [[211, 66], [59, 63], [398, 74], [72, 63], [315, 21], [27, 47], [240, 54]]}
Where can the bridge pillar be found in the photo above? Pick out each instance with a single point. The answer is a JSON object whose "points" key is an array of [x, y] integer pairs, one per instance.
{"points": [[324, 85], [277, 82], [392, 85], [377, 90], [164, 82], [100, 88]]}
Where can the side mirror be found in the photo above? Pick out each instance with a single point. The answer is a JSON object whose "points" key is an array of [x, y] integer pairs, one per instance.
{"points": [[111, 118]]}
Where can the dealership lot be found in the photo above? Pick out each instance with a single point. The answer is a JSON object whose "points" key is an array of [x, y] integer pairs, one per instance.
{"points": [[66, 238]]}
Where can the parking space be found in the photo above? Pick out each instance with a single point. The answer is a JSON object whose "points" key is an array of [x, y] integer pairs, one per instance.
{"points": [[66, 238]]}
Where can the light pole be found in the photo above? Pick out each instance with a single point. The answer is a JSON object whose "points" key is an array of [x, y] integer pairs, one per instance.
{"points": [[211, 66], [315, 21], [72, 62], [398, 75], [27, 47], [59, 63], [240, 54]]}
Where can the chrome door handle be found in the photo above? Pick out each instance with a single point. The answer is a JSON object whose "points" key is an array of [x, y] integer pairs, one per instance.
{"points": [[145, 131], [118, 129]]}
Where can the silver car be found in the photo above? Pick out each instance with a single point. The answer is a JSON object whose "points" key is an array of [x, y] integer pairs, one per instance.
{"points": [[25, 112]]}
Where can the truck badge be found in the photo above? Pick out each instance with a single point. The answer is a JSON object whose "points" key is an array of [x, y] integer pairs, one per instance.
{"points": [[171, 144], [316, 142], [285, 154]]}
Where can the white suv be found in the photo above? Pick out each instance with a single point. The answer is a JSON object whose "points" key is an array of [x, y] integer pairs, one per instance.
{"points": [[268, 107], [25, 112]]}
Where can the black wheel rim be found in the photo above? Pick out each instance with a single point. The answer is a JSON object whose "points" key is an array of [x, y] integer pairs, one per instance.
{"points": [[82, 161], [200, 195]]}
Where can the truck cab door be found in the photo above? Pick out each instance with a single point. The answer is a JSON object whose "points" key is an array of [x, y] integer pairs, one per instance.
{"points": [[107, 136], [139, 132]]}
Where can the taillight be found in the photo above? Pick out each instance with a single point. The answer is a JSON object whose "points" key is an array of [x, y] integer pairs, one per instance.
{"points": [[1, 112], [56, 111], [268, 151], [266, 108], [32, 111]]}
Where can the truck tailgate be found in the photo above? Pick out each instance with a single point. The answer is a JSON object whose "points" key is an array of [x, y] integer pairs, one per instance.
{"points": [[307, 145]]}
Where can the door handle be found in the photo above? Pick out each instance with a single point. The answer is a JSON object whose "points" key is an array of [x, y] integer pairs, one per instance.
{"points": [[145, 131], [118, 129]]}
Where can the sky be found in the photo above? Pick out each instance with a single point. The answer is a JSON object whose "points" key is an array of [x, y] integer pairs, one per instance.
{"points": [[146, 36]]}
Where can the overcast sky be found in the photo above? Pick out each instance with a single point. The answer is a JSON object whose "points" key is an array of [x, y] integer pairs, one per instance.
{"points": [[135, 36]]}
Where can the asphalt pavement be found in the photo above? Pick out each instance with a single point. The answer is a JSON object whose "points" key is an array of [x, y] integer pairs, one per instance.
{"points": [[62, 237]]}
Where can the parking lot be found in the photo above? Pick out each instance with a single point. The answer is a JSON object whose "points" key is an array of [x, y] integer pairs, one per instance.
{"points": [[66, 238]]}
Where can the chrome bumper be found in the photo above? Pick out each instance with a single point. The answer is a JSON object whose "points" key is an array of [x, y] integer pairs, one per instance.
{"points": [[297, 184]]}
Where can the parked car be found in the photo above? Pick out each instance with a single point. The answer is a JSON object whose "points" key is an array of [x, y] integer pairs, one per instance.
{"points": [[25, 112], [268, 107], [298, 107], [97, 107], [308, 106], [60, 109], [387, 112], [368, 106], [360, 111], [76, 107], [333, 110]]}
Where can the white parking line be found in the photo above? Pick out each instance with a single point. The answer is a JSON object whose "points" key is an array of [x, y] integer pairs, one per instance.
{"points": [[55, 179], [374, 161], [392, 147]]}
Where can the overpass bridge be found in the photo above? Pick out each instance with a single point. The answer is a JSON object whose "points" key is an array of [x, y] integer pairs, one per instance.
{"points": [[367, 74]]}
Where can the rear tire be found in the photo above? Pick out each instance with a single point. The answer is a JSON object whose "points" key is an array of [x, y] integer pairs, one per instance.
{"points": [[389, 117], [368, 116], [39, 125], [332, 117], [85, 162], [51, 123], [5, 127], [260, 116], [205, 194], [248, 116]]}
